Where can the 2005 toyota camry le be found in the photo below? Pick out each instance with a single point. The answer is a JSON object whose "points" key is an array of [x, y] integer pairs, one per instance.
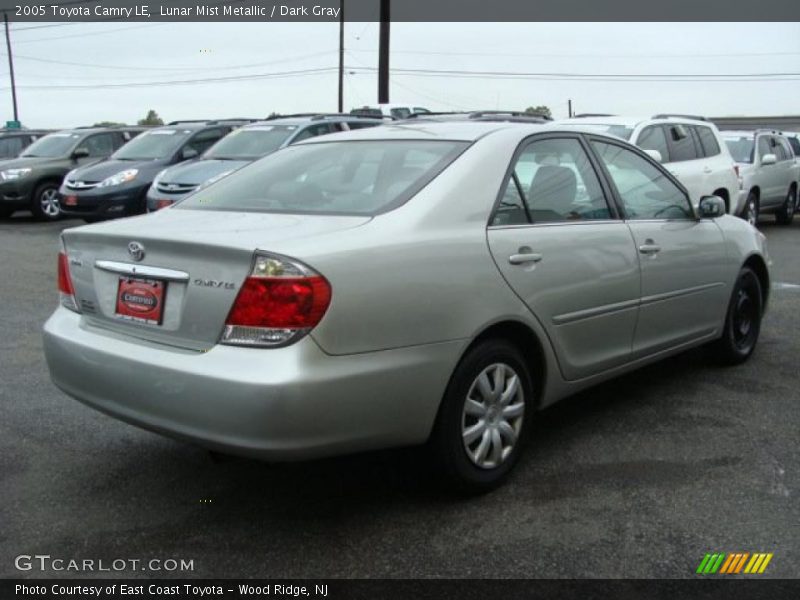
{"points": [[428, 282]]}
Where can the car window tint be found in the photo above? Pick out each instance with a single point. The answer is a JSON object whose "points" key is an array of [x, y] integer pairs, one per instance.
{"points": [[313, 131], [654, 138], [680, 142], [205, 139], [511, 210], [764, 145], [708, 141], [784, 152], [795, 144], [5, 148], [355, 177], [99, 145], [361, 124], [400, 113], [558, 182], [741, 148], [646, 192]]}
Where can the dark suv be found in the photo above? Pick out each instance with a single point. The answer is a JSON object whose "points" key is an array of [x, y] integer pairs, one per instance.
{"points": [[242, 147], [117, 187], [31, 181], [14, 141]]}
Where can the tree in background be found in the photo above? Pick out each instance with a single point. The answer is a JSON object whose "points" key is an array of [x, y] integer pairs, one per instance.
{"points": [[539, 110], [152, 118]]}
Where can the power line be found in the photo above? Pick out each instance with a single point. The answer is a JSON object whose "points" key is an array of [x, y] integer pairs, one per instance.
{"points": [[563, 55], [277, 75]]}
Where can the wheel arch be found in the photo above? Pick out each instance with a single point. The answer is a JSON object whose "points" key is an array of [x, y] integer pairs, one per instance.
{"points": [[723, 193], [757, 264]]}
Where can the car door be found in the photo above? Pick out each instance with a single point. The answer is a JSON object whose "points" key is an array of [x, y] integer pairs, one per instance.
{"points": [[686, 160], [560, 245], [769, 175], [785, 164], [682, 258]]}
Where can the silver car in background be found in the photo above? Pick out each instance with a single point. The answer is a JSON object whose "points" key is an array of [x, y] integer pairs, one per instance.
{"points": [[769, 173], [425, 282]]}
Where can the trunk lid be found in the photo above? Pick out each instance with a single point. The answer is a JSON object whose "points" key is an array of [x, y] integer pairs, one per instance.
{"points": [[192, 268]]}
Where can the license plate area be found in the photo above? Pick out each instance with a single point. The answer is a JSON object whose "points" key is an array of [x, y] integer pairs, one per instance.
{"points": [[70, 201], [141, 300]]}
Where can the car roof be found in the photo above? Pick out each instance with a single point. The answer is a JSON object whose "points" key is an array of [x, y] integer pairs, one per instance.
{"points": [[466, 131], [633, 121], [320, 118]]}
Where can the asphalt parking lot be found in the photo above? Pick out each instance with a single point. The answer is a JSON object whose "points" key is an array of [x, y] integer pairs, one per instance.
{"points": [[637, 478]]}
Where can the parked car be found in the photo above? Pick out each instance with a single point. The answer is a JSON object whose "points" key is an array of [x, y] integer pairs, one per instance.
{"points": [[14, 141], [689, 147], [394, 111], [769, 173], [117, 187], [243, 146], [498, 116], [401, 285], [30, 182]]}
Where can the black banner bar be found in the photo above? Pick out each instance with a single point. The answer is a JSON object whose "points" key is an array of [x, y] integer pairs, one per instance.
{"points": [[402, 10]]}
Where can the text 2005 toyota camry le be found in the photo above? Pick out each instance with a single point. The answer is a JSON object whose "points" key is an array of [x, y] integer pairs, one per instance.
{"points": [[434, 282]]}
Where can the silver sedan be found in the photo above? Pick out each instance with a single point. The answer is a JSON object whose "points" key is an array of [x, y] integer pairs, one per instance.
{"points": [[424, 282]]}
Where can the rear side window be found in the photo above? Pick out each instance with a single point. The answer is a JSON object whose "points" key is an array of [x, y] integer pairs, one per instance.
{"points": [[654, 138], [708, 141], [337, 178], [552, 181], [681, 145]]}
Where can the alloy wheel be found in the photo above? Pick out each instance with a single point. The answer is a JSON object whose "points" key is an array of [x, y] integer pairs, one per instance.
{"points": [[492, 416], [48, 200]]}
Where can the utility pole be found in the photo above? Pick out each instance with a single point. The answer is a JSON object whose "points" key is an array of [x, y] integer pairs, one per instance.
{"points": [[341, 56], [11, 68], [383, 53], [569, 107]]}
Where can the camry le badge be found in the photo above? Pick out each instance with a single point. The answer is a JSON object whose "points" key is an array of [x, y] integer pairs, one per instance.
{"points": [[136, 250]]}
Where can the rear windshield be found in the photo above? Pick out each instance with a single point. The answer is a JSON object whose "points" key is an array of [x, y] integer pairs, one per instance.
{"points": [[53, 145], [339, 178], [151, 145], [621, 131], [741, 148], [251, 142]]}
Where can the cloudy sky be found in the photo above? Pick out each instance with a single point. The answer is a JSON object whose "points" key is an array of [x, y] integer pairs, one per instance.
{"points": [[76, 74]]}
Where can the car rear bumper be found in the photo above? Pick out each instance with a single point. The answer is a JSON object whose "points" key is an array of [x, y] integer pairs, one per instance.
{"points": [[283, 404]]}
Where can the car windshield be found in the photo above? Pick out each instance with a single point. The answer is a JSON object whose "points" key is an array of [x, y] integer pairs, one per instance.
{"points": [[337, 178], [53, 145], [251, 142], [741, 148], [621, 131], [151, 145]]}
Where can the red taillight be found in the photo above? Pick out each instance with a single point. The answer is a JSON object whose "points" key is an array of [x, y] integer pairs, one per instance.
{"points": [[64, 280], [279, 302], [283, 303], [66, 292]]}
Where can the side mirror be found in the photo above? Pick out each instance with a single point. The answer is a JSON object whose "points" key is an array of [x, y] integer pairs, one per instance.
{"points": [[189, 152], [655, 155], [80, 153], [711, 207], [769, 159]]}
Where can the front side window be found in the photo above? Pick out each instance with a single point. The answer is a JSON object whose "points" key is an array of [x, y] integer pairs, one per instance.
{"points": [[314, 131], [98, 146], [646, 192], [348, 177], [654, 138], [249, 143], [764, 145], [205, 139], [552, 181], [400, 113]]}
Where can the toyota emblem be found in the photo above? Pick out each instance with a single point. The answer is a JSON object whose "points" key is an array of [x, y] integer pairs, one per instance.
{"points": [[136, 250]]}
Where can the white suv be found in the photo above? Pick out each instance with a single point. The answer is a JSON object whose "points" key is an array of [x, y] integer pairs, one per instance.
{"points": [[689, 147], [769, 172]]}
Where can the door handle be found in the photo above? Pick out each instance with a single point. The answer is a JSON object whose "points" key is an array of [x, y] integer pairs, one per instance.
{"points": [[521, 259], [650, 248], [707, 170]]}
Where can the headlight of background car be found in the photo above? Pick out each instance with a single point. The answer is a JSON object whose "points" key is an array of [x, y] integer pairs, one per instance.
{"points": [[158, 177], [119, 178], [68, 176], [11, 174]]}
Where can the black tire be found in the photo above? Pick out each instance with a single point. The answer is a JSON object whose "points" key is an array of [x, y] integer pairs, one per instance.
{"points": [[44, 203], [447, 441], [786, 213], [750, 210], [742, 321]]}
